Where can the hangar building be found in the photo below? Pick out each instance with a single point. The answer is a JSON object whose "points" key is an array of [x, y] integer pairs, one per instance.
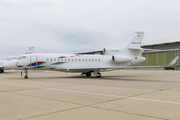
{"points": [[167, 52]]}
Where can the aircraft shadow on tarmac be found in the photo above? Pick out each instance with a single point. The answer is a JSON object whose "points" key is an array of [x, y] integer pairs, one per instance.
{"points": [[106, 78]]}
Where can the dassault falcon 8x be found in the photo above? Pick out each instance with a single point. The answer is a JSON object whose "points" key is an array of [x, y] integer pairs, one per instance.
{"points": [[112, 59]]}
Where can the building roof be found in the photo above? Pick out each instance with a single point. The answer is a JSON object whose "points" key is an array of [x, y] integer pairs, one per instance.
{"points": [[158, 44]]}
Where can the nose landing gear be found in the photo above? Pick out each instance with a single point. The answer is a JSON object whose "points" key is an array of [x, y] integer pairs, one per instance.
{"points": [[26, 74]]}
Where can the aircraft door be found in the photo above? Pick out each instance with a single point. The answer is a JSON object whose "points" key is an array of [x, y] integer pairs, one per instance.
{"points": [[33, 62]]}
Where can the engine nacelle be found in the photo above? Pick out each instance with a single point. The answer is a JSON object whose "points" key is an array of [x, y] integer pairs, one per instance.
{"points": [[121, 59], [111, 51]]}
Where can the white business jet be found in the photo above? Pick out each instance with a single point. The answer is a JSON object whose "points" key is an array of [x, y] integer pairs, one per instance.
{"points": [[9, 58], [113, 58]]}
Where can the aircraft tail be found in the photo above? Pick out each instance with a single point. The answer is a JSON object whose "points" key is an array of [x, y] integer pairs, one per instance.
{"points": [[29, 50], [136, 42], [134, 46]]}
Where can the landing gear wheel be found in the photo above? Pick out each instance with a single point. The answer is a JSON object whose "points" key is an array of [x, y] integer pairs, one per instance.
{"points": [[26, 74], [99, 75], [25, 77], [88, 74]]}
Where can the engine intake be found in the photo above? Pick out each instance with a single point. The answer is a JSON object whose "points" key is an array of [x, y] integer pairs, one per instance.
{"points": [[120, 59]]}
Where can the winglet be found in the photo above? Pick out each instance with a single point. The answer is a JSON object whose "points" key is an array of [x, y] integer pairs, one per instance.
{"points": [[172, 62]]}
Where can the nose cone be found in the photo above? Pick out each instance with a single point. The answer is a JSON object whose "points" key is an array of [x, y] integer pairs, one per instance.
{"points": [[10, 64]]}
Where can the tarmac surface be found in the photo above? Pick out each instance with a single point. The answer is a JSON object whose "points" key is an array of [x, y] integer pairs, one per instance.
{"points": [[117, 95]]}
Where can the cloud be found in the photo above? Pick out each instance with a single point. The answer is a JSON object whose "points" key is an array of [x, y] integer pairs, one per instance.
{"points": [[77, 25]]}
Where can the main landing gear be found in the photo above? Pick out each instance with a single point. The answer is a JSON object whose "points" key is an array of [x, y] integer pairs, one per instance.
{"points": [[1, 71], [95, 74], [26, 74], [88, 74]]}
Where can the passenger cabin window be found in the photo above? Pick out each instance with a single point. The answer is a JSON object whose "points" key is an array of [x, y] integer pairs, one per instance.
{"points": [[65, 59], [58, 59], [95, 60], [55, 59], [61, 59], [69, 60], [98, 60], [89, 60], [72, 60], [51, 59], [47, 59], [75, 60], [82, 60], [79, 60], [86, 60], [92, 60]]}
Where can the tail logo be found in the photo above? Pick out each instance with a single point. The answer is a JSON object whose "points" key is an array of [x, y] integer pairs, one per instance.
{"points": [[136, 42]]}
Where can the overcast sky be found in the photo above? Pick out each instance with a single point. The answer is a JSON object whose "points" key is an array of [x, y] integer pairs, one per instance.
{"points": [[70, 26]]}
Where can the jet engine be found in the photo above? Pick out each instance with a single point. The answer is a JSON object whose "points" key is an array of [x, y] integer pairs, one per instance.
{"points": [[121, 59]]}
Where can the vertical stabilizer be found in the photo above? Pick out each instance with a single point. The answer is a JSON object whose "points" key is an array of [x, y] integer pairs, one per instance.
{"points": [[136, 41], [29, 50]]}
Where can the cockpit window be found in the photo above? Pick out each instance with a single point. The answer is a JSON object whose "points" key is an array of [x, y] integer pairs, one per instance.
{"points": [[21, 58], [18, 58]]}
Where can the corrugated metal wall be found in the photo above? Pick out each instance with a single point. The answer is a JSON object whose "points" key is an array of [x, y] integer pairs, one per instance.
{"points": [[160, 58]]}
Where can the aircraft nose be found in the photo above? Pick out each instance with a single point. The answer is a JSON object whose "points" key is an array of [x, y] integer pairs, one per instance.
{"points": [[10, 64]]}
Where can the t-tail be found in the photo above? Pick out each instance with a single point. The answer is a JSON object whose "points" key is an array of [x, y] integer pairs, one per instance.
{"points": [[29, 50]]}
